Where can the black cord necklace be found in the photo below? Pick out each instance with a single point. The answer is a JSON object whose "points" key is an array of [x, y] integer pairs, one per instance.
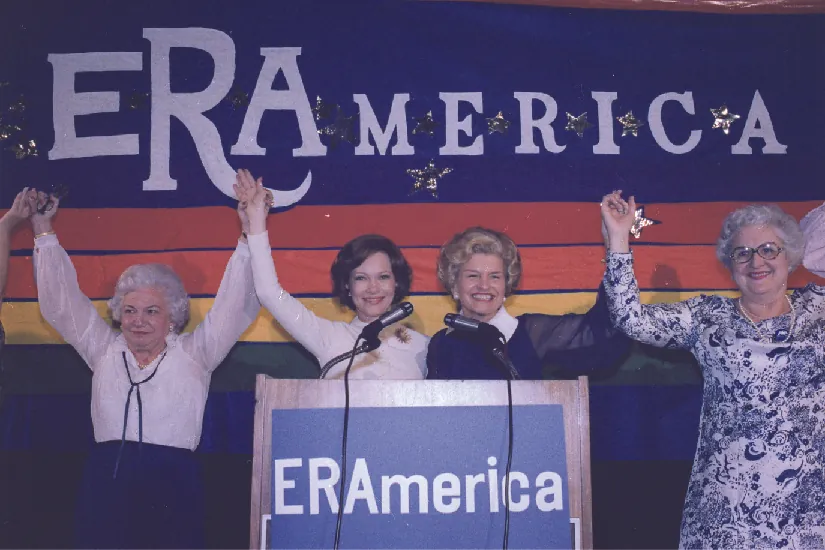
{"points": [[134, 386]]}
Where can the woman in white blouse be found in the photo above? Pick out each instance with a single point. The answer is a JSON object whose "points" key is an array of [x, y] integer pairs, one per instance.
{"points": [[369, 276], [142, 486]]}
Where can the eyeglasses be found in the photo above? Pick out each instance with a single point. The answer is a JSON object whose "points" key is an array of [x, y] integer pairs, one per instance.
{"points": [[743, 254]]}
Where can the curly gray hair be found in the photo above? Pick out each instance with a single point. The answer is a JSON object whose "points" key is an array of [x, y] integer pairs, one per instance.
{"points": [[155, 276], [478, 240], [785, 226]]}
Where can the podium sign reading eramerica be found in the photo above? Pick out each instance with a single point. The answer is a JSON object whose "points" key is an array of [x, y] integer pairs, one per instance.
{"points": [[430, 477]]}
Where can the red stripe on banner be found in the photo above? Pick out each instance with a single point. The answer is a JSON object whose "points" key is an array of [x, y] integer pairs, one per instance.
{"points": [[307, 271], [406, 224], [708, 6]]}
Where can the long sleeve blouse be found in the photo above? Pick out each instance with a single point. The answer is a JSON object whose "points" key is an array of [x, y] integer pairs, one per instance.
{"points": [[174, 399], [558, 346], [757, 475], [401, 356]]}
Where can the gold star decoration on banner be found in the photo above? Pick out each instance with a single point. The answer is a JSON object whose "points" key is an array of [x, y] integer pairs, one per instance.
{"points": [[630, 124], [723, 118], [498, 124], [8, 130], [640, 222], [578, 124], [237, 98], [13, 128], [322, 109], [340, 130], [426, 124], [428, 178], [24, 149]]}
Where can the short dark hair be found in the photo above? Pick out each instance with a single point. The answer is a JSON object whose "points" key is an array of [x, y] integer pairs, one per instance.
{"points": [[355, 252]]}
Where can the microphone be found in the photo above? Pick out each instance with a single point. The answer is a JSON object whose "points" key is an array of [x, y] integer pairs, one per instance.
{"points": [[492, 337], [459, 322], [395, 314]]}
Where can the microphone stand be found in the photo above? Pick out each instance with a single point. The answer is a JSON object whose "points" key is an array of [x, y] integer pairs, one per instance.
{"points": [[371, 342], [498, 353], [366, 347], [497, 350]]}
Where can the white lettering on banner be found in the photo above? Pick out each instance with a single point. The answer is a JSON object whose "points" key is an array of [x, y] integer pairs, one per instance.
{"points": [[191, 109], [446, 490], [657, 129], [527, 123], [452, 126], [67, 104], [369, 125], [606, 145], [759, 114], [294, 98]]}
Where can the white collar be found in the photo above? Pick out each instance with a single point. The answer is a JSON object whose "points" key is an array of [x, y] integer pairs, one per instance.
{"points": [[504, 322]]}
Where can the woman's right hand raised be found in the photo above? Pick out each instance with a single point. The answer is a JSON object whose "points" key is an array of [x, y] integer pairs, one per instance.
{"points": [[254, 200], [618, 216]]}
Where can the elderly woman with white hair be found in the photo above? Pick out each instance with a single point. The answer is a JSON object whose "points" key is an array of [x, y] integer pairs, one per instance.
{"points": [[757, 479], [142, 485]]}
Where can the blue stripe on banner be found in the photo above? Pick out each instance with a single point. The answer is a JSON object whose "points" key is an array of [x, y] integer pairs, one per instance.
{"points": [[644, 422], [628, 423], [62, 423]]}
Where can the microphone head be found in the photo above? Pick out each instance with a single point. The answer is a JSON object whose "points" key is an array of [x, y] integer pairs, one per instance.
{"points": [[395, 314], [460, 322]]}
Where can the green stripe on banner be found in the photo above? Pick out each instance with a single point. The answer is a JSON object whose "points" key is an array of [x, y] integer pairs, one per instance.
{"points": [[57, 369]]}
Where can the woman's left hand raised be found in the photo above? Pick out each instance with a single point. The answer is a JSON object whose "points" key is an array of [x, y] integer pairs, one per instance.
{"points": [[618, 216], [42, 222], [253, 201]]}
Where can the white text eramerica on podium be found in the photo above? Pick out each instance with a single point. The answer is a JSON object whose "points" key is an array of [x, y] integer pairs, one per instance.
{"points": [[446, 492]]}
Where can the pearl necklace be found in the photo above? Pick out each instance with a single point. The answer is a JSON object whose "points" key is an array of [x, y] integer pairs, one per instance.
{"points": [[776, 337]]}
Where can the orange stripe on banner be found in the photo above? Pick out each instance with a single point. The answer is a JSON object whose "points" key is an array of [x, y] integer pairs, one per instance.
{"points": [[406, 224], [307, 271]]}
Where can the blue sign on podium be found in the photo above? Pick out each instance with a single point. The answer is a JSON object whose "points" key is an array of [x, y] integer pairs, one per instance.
{"points": [[426, 477]]}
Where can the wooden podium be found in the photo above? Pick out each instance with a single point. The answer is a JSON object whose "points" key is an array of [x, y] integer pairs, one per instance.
{"points": [[272, 394]]}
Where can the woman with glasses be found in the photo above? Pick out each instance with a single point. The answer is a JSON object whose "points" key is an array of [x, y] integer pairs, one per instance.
{"points": [[757, 478]]}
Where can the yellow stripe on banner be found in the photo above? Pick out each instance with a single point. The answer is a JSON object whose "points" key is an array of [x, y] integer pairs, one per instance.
{"points": [[24, 325]]}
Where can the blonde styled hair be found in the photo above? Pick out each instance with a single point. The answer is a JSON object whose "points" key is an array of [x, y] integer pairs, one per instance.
{"points": [[478, 240]]}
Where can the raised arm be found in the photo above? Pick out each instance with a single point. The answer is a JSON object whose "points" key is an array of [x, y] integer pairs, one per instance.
{"points": [[62, 303], [23, 207], [578, 343], [813, 226], [304, 326], [661, 325], [235, 308]]}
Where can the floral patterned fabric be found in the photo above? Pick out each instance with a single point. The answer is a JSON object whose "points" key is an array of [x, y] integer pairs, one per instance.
{"points": [[758, 479]]}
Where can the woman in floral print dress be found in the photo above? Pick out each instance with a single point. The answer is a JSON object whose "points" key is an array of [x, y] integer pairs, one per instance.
{"points": [[757, 479]]}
